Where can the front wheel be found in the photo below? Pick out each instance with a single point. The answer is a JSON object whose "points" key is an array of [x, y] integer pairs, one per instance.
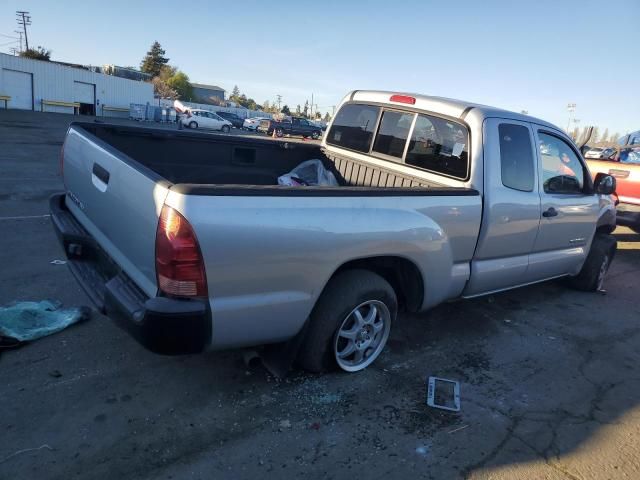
{"points": [[350, 324], [193, 125], [279, 132], [315, 135], [594, 270], [225, 129]]}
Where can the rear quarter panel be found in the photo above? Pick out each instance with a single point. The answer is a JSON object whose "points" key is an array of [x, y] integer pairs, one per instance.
{"points": [[269, 258]]}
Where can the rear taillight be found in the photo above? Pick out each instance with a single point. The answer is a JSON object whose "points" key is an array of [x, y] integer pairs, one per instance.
{"points": [[179, 264]]}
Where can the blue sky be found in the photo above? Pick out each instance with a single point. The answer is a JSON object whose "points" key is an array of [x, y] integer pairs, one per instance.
{"points": [[534, 56]]}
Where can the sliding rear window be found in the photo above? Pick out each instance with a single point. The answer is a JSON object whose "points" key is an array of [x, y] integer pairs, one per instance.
{"points": [[353, 127], [440, 146]]}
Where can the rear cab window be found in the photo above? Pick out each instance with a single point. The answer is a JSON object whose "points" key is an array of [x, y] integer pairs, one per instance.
{"points": [[418, 140], [353, 127]]}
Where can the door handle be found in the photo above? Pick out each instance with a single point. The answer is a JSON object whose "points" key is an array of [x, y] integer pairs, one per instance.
{"points": [[550, 212], [101, 173]]}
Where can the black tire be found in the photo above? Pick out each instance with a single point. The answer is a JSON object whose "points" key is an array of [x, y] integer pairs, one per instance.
{"points": [[635, 228], [315, 135], [193, 125], [341, 296], [591, 277], [225, 129], [279, 132]]}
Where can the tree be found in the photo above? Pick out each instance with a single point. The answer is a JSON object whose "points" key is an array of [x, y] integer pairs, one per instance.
{"points": [[153, 62], [180, 83], [605, 135], [305, 111], [251, 104], [162, 89], [38, 53], [318, 116], [285, 110], [575, 133], [595, 135], [327, 117], [614, 138], [235, 92], [298, 110]]}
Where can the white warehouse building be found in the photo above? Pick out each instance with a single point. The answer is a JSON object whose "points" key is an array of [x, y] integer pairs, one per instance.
{"points": [[37, 85]]}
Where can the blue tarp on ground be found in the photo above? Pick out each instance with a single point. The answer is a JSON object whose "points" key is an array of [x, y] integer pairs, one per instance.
{"points": [[25, 321]]}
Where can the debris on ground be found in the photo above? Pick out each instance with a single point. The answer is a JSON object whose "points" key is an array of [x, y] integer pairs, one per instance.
{"points": [[58, 262], [443, 393], [25, 450], [26, 321], [285, 424], [458, 429]]}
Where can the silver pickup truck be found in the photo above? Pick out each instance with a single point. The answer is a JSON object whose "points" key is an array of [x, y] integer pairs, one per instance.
{"points": [[187, 240]]}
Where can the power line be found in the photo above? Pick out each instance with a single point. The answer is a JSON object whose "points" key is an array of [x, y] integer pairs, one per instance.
{"points": [[8, 36], [8, 43]]}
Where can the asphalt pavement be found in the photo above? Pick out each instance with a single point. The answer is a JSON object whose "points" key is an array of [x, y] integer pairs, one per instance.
{"points": [[550, 378]]}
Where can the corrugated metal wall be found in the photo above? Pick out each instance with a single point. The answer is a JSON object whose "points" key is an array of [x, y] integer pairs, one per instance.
{"points": [[53, 82]]}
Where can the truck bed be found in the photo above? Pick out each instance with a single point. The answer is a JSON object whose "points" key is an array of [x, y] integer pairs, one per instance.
{"points": [[199, 159]]}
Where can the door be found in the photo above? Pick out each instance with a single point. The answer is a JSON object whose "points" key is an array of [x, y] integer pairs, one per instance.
{"points": [[85, 95], [569, 208], [511, 213], [217, 121], [19, 86]]}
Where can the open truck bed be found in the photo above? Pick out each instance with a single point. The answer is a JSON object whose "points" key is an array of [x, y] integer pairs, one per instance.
{"points": [[268, 250]]}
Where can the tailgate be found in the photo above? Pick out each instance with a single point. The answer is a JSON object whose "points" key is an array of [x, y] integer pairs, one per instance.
{"points": [[117, 200]]}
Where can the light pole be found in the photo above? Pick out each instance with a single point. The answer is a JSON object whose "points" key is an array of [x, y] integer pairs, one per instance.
{"points": [[571, 107]]}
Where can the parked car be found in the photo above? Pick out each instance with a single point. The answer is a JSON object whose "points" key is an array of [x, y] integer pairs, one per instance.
{"points": [[252, 123], [293, 126], [597, 152], [235, 120], [204, 119], [437, 199], [624, 165]]}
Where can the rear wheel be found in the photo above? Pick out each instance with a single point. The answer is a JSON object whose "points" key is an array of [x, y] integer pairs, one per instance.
{"points": [[193, 125], [279, 132], [315, 135], [350, 324], [591, 277], [225, 129]]}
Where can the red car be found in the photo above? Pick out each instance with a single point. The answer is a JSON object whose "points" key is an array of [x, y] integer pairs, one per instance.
{"points": [[625, 166]]}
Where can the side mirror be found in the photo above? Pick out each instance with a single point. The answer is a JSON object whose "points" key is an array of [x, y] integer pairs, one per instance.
{"points": [[604, 184]]}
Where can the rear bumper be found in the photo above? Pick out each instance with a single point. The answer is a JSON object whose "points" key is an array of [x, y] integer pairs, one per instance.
{"points": [[628, 214], [163, 325]]}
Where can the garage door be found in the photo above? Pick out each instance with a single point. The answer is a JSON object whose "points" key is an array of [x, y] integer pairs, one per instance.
{"points": [[19, 86], [84, 92]]}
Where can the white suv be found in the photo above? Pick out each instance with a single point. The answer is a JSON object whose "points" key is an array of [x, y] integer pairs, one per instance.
{"points": [[205, 119]]}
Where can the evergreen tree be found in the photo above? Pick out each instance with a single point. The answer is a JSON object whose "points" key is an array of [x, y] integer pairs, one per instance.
{"points": [[154, 60]]}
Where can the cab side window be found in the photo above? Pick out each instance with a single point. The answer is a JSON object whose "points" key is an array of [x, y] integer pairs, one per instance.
{"points": [[516, 157], [562, 171]]}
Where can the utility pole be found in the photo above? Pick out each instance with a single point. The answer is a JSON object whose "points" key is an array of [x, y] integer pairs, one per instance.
{"points": [[311, 112], [571, 107], [19, 32], [279, 100], [24, 20]]}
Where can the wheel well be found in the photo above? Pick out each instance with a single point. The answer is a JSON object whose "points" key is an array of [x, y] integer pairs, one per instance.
{"points": [[402, 274], [605, 229]]}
